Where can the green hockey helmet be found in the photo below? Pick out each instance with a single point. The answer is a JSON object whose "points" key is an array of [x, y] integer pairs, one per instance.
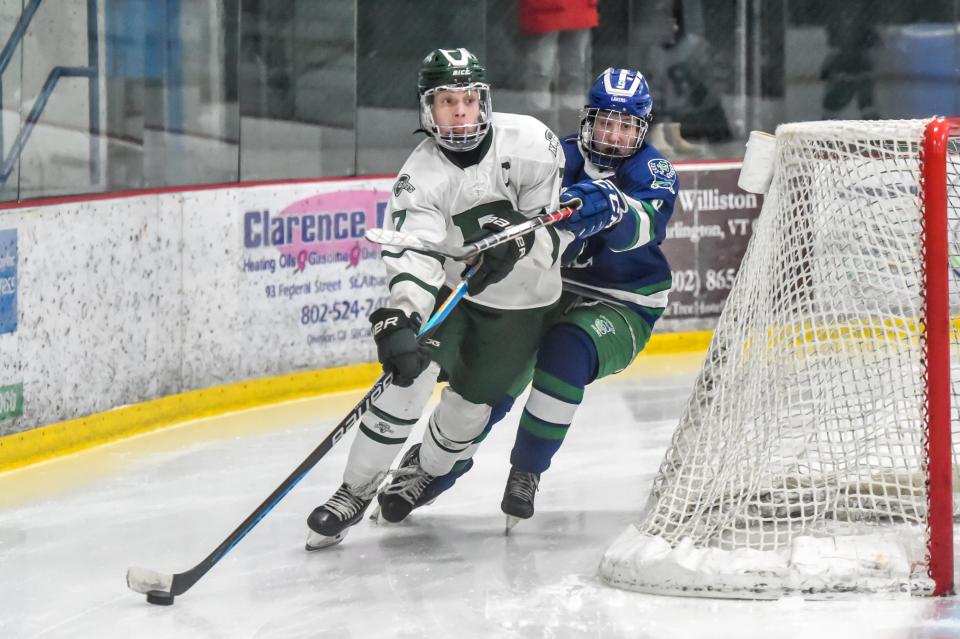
{"points": [[457, 71], [449, 67]]}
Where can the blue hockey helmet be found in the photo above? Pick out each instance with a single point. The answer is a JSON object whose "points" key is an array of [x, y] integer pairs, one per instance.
{"points": [[616, 118]]}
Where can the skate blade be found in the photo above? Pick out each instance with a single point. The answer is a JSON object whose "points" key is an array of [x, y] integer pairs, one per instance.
{"points": [[375, 515], [511, 522], [316, 541]]}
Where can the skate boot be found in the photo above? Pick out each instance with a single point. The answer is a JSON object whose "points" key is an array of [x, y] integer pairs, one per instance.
{"points": [[403, 493], [518, 496], [330, 522]]}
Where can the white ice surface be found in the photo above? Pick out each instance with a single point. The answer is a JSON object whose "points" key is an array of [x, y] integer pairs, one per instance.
{"points": [[69, 529]]}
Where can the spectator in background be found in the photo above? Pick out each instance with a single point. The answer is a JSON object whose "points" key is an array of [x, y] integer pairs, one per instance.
{"points": [[693, 77], [848, 69], [556, 54]]}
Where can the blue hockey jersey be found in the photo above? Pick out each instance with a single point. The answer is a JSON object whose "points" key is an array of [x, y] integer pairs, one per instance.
{"points": [[624, 264]]}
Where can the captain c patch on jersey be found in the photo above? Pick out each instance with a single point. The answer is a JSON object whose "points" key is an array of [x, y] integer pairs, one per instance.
{"points": [[664, 175]]}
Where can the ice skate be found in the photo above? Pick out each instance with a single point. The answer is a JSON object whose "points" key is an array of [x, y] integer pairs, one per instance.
{"points": [[330, 522], [403, 493], [436, 487], [518, 497]]}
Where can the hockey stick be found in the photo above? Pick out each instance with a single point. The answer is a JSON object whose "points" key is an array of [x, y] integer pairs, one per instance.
{"points": [[403, 240], [161, 588]]}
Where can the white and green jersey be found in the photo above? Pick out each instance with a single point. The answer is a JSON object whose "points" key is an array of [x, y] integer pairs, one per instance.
{"points": [[520, 169]]}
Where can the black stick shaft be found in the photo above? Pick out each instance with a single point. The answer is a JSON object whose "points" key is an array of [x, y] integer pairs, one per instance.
{"points": [[185, 580]]}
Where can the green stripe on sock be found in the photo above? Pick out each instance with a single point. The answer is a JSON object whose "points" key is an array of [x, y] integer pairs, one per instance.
{"points": [[455, 451], [556, 387], [390, 418], [377, 437], [541, 429]]}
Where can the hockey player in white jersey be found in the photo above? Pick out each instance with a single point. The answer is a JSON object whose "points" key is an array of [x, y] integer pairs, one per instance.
{"points": [[476, 172]]}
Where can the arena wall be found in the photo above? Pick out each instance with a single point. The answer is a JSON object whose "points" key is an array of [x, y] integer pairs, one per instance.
{"points": [[126, 312]]}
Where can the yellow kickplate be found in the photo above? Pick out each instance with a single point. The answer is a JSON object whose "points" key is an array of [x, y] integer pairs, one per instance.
{"points": [[39, 444], [62, 438]]}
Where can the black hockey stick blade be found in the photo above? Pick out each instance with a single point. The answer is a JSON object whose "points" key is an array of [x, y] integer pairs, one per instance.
{"points": [[403, 240], [162, 588]]}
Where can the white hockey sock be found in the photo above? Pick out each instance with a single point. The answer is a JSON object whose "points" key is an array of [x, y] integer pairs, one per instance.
{"points": [[454, 425], [386, 426]]}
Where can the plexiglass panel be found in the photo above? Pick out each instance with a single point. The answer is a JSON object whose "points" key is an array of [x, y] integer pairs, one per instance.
{"points": [[108, 95]]}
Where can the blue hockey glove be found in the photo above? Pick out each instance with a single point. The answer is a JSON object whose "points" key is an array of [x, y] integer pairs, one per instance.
{"points": [[601, 206]]}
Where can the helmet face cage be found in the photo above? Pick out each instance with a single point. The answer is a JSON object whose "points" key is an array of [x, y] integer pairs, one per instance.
{"points": [[609, 137], [616, 118], [461, 137]]}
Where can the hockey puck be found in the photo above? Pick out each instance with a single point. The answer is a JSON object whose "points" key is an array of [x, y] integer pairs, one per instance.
{"points": [[160, 599]]}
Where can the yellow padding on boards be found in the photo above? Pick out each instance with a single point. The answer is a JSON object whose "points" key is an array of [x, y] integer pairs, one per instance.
{"points": [[664, 343], [39, 444]]}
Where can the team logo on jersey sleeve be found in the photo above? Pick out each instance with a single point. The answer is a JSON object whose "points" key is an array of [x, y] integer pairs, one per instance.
{"points": [[664, 175], [403, 184]]}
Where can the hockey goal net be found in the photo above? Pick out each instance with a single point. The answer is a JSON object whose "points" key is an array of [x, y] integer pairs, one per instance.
{"points": [[814, 455]]}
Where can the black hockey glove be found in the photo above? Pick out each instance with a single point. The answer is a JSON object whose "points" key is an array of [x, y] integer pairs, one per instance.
{"points": [[397, 347], [497, 262]]}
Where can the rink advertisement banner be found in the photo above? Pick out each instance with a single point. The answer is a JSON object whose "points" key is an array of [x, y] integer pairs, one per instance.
{"points": [[11, 401], [309, 277], [707, 237], [11, 394], [8, 281]]}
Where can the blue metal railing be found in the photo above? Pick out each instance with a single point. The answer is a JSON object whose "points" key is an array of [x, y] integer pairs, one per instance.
{"points": [[91, 72]]}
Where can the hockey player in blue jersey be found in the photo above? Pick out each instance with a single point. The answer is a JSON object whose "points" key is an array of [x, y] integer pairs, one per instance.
{"points": [[616, 280]]}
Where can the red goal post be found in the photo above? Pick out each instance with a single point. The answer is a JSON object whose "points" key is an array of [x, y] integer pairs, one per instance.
{"points": [[937, 267]]}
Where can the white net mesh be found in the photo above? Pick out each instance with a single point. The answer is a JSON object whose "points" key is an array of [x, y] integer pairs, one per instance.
{"points": [[807, 419]]}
